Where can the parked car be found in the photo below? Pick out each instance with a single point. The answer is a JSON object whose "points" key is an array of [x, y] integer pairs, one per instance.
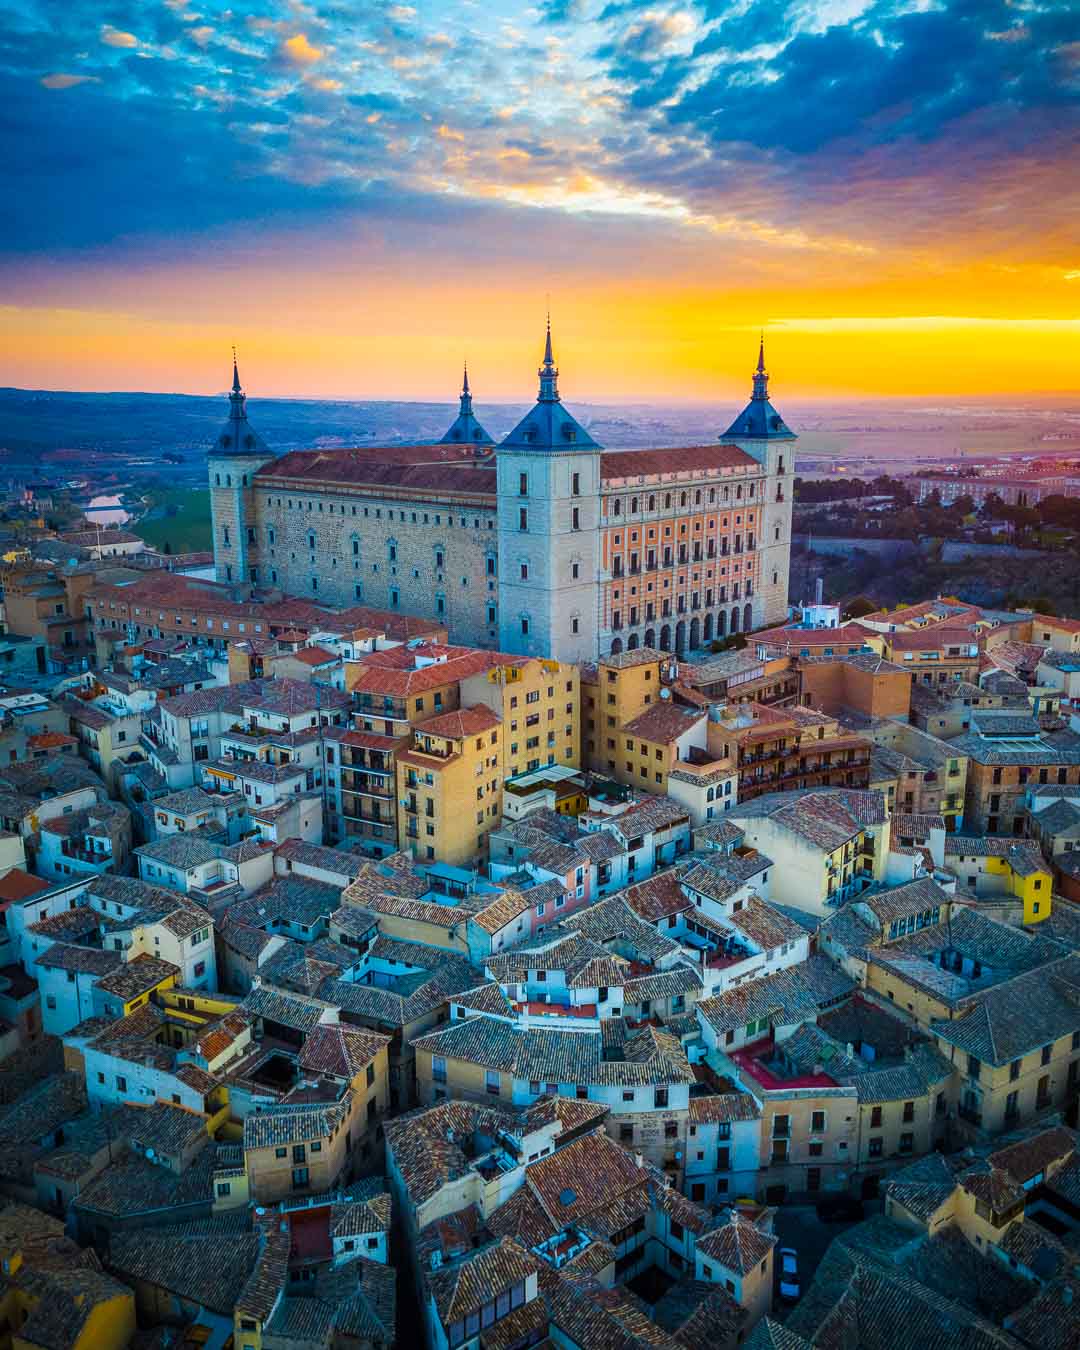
{"points": [[842, 1208], [789, 1275]]}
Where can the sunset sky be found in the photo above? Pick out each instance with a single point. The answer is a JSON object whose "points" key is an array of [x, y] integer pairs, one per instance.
{"points": [[360, 194]]}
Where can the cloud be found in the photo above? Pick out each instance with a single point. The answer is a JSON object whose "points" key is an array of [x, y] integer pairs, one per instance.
{"points": [[66, 81], [116, 37], [300, 51]]}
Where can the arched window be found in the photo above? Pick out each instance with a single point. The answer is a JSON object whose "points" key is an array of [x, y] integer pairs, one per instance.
{"points": [[697, 497], [616, 646], [682, 499], [633, 505], [311, 540], [652, 503], [748, 618], [735, 619], [391, 549]]}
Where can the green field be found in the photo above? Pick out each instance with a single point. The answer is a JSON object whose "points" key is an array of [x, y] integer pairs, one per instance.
{"points": [[180, 519]]}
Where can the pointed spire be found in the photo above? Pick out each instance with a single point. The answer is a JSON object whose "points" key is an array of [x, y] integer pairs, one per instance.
{"points": [[548, 372], [761, 378], [465, 410], [237, 411]]}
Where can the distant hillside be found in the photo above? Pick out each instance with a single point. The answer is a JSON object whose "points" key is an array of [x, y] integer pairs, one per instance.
{"points": [[33, 423]]}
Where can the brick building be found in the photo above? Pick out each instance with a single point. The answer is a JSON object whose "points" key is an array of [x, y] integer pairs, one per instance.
{"points": [[545, 545]]}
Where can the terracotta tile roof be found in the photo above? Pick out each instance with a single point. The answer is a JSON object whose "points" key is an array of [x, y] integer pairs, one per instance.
{"points": [[663, 723], [356, 468], [395, 670], [314, 656], [620, 465], [291, 1123], [738, 1246], [1019, 1015], [723, 1107], [340, 1051], [137, 976], [465, 1286], [19, 885], [473, 721]]}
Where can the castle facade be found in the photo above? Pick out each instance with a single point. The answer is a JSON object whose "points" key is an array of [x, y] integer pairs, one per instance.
{"points": [[543, 545]]}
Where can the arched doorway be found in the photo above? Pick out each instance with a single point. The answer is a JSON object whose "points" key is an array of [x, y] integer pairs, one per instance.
{"points": [[680, 636], [616, 646], [650, 637], [721, 623], [695, 634], [735, 619], [747, 618], [632, 642], [706, 628], [665, 638]]}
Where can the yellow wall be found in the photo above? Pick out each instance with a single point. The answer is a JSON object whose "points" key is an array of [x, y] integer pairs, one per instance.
{"points": [[617, 696], [1033, 890], [506, 691], [452, 833]]}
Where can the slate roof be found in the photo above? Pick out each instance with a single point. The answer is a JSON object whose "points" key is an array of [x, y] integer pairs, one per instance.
{"points": [[293, 1123], [340, 1051], [465, 1286], [738, 1246], [561, 1057], [205, 1269], [793, 995], [826, 817], [1019, 1015]]}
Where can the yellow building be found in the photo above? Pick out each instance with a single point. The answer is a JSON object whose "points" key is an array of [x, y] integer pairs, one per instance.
{"points": [[538, 703], [828, 844], [450, 786], [306, 1147], [615, 691], [67, 1299], [991, 866]]}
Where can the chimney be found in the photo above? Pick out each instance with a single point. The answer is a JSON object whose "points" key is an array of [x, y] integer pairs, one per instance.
{"points": [[639, 1159], [819, 591]]}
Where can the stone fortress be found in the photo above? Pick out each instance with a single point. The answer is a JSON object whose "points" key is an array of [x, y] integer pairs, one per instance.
{"points": [[543, 545]]}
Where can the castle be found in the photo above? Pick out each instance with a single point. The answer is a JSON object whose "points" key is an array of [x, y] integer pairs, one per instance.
{"points": [[543, 545]]}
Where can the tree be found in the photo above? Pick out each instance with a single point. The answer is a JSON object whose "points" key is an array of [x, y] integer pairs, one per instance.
{"points": [[963, 506], [860, 607]]}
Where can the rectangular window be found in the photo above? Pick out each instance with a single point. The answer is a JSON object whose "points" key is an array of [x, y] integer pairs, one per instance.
{"points": [[523, 518]]}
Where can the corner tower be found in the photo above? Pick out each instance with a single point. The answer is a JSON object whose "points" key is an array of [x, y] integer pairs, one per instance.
{"points": [[762, 433], [465, 429], [234, 459], [549, 530]]}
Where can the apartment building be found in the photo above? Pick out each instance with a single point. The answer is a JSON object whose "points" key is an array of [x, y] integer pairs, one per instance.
{"points": [[449, 786], [1007, 752], [863, 683], [827, 845], [790, 749], [645, 1082], [158, 606], [535, 701], [919, 774], [88, 842]]}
